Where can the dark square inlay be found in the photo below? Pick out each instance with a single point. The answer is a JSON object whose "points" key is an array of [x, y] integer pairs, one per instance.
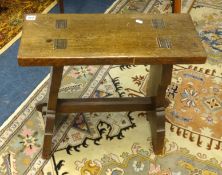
{"points": [[158, 23], [60, 43], [61, 23], [164, 42]]}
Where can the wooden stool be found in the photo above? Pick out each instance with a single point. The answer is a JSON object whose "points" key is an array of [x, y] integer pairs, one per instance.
{"points": [[106, 39]]}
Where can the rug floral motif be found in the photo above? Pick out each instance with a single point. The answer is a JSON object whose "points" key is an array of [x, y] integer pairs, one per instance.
{"points": [[12, 13], [208, 20], [91, 148], [120, 143]]}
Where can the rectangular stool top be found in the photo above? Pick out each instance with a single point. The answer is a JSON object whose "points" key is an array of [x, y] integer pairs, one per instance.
{"points": [[102, 39]]}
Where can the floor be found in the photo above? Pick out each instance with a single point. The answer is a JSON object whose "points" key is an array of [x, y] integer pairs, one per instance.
{"points": [[16, 83]]}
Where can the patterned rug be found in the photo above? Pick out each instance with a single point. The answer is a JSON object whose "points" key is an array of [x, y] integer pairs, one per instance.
{"points": [[120, 143], [11, 17]]}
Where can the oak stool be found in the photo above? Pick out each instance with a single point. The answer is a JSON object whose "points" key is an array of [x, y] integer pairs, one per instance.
{"points": [[58, 40]]}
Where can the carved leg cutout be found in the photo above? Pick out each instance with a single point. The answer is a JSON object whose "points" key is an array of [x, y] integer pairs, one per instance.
{"points": [[157, 124], [49, 129], [39, 106], [160, 78]]}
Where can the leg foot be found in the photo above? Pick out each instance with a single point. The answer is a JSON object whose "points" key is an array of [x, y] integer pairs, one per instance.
{"points": [[46, 151], [157, 124], [49, 128]]}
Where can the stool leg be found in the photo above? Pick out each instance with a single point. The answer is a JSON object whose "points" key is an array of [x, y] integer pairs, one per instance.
{"points": [[176, 6], [160, 78], [61, 5], [50, 113]]}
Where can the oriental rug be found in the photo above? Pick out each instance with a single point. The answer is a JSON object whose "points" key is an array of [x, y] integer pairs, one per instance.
{"points": [[120, 143], [11, 17]]}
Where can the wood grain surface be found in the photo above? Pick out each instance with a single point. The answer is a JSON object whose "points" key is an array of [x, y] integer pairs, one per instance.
{"points": [[100, 39]]}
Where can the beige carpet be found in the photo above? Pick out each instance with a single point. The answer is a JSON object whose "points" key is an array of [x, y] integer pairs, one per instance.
{"points": [[120, 143]]}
